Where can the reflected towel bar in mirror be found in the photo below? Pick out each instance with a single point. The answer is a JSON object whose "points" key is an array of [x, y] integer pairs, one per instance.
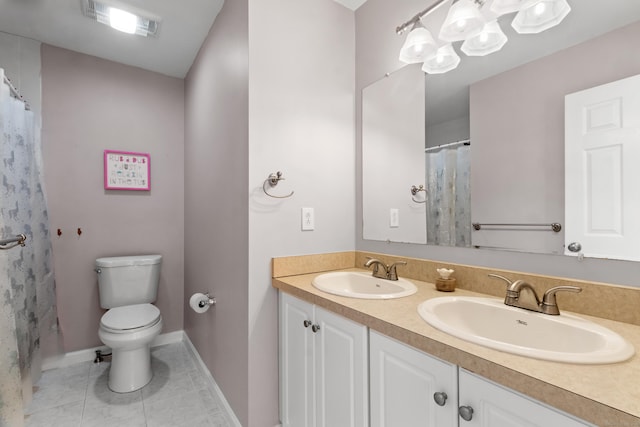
{"points": [[556, 227]]}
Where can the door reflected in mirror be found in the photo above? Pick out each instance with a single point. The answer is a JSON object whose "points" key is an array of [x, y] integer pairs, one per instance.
{"points": [[515, 103]]}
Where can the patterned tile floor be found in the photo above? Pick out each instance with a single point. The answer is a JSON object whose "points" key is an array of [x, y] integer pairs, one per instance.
{"points": [[178, 395]]}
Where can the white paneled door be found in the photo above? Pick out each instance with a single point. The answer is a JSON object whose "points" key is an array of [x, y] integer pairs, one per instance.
{"points": [[602, 171]]}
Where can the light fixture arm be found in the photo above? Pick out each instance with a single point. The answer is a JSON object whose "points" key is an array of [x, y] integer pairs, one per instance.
{"points": [[416, 18]]}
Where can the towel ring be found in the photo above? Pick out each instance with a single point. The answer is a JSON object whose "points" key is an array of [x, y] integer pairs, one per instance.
{"points": [[415, 190], [273, 180]]}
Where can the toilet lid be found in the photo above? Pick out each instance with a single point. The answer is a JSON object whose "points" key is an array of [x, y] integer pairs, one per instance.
{"points": [[131, 317]]}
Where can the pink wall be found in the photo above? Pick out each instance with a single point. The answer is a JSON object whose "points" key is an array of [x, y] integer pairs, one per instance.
{"points": [[90, 105], [216, 203]]}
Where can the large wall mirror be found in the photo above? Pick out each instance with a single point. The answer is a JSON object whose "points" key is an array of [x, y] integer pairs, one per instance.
{"points": [[505, 112]]}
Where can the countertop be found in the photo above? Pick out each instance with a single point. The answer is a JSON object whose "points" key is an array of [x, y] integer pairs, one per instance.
{"points": [[607, 395]]}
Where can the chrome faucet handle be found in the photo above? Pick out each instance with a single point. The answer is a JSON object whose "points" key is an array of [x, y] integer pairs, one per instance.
{"points": [[392, 273], [549, 305]]}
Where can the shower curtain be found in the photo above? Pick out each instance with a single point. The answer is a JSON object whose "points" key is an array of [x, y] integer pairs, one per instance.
{"points": [[28, 314], [449, 196]]}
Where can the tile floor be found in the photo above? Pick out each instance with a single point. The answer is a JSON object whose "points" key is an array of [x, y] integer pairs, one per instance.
{"points": [[178, 395]]}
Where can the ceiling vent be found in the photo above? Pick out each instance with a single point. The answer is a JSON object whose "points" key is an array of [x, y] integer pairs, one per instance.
{"points": [[121, 17]]}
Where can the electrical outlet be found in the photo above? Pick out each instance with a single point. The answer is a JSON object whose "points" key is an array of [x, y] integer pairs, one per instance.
{"points": [[308, 219]]}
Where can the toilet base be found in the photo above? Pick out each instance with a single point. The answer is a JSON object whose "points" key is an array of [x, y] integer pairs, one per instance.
{"points": [[130, 369], [130, 357]]}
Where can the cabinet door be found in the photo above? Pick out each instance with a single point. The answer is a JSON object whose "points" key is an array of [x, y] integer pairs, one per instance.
{"points": [[496, 406], [403, 383], [341, 371], [296, 362]]}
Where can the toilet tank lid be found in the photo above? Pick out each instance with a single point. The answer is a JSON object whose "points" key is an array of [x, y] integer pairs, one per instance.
{"points": [[123, 261]]}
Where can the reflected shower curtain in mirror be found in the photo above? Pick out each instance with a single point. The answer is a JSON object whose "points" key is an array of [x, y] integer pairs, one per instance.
{"points": [[28, 314], [449, 196]]}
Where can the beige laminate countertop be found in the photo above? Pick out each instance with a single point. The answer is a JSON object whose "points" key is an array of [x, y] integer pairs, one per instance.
{"points": [[606, 395]]}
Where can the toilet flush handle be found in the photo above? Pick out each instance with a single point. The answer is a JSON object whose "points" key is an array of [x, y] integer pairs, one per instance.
{"points": [[97, 270]]}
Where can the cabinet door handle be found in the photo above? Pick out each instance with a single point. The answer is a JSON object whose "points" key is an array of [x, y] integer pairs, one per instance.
{"points": [[315, 328], [465, 412], [440, 397], [306, 323]]}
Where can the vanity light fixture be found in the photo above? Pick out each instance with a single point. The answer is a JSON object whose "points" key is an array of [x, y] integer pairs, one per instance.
{"points": [[490, 39], [463, 20], [539, 15], [501, 7], [121, 17], [418, 46], [475, 23], [445, 59]]}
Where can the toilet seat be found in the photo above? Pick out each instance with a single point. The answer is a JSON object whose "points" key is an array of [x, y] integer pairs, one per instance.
{"points": [[129, 318]]}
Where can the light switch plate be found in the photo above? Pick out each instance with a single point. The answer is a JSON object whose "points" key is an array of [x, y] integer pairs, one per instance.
{"points": [[308, 219], [394, 218]]}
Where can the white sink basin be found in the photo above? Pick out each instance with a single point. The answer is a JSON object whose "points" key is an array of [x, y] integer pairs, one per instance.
{"points": [[488, 322], [362, 285]]}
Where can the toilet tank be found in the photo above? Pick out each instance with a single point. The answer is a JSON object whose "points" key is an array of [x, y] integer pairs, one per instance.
{"points": [[127, 280]]}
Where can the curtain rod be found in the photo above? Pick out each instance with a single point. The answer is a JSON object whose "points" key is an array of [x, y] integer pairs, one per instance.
{"points": [[15, 92], [451, 144]]}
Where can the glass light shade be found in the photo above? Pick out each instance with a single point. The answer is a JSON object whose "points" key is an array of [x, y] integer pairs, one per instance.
{"points": [[445, 59], [490, 39], [463, 20], [501, 7], [540, 15], [418, 46]]}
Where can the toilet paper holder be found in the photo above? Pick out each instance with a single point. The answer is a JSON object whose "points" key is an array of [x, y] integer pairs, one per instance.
{"points": [[208, 301]]}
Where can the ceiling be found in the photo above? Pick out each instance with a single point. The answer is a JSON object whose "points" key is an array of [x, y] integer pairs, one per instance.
{"points": [[351, 4], [184, 26]]}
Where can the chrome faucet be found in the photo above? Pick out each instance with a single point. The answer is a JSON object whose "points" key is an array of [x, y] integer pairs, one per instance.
{"points": [[383, 271], [548, 305]]}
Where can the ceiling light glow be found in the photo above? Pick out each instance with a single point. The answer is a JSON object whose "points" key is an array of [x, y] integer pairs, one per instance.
{"points": [[122, 20]]}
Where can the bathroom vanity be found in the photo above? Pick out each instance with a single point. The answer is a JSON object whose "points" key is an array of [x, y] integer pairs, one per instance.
{"points": [[401, 371]]}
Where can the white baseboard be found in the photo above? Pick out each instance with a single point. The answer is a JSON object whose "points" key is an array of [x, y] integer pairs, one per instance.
{"points": [[71, 358], [232, 416]]}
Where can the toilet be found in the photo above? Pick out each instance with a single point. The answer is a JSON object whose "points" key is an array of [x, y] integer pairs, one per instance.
{"points": [[128, 285]]}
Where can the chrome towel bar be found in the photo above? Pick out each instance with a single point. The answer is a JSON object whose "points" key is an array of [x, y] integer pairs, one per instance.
{"points": [[556, 227], [13, 242]]}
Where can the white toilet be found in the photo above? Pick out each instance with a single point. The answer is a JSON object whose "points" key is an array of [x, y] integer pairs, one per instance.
{"points": [[128, 285]]}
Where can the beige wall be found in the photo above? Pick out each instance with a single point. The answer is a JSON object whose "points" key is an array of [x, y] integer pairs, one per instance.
{"points": [[90, 105]]}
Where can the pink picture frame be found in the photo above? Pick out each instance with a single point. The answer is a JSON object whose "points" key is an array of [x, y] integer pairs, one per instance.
{"points": [[126, 170]]}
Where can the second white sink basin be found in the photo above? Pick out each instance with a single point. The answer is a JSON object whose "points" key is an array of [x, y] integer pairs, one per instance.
{"points": [[491, 323], [361, 285]]}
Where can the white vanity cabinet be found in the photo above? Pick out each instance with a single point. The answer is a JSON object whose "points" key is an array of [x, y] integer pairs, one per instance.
{"points": [[409, 388], [335, 372], [323, 367], [486, 404]]}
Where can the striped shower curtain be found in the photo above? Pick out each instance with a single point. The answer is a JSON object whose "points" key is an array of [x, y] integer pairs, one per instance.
{"points": [[27, 289]]}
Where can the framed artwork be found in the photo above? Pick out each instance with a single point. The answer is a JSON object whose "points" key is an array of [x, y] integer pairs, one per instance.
{"points": [[125, 170]]}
